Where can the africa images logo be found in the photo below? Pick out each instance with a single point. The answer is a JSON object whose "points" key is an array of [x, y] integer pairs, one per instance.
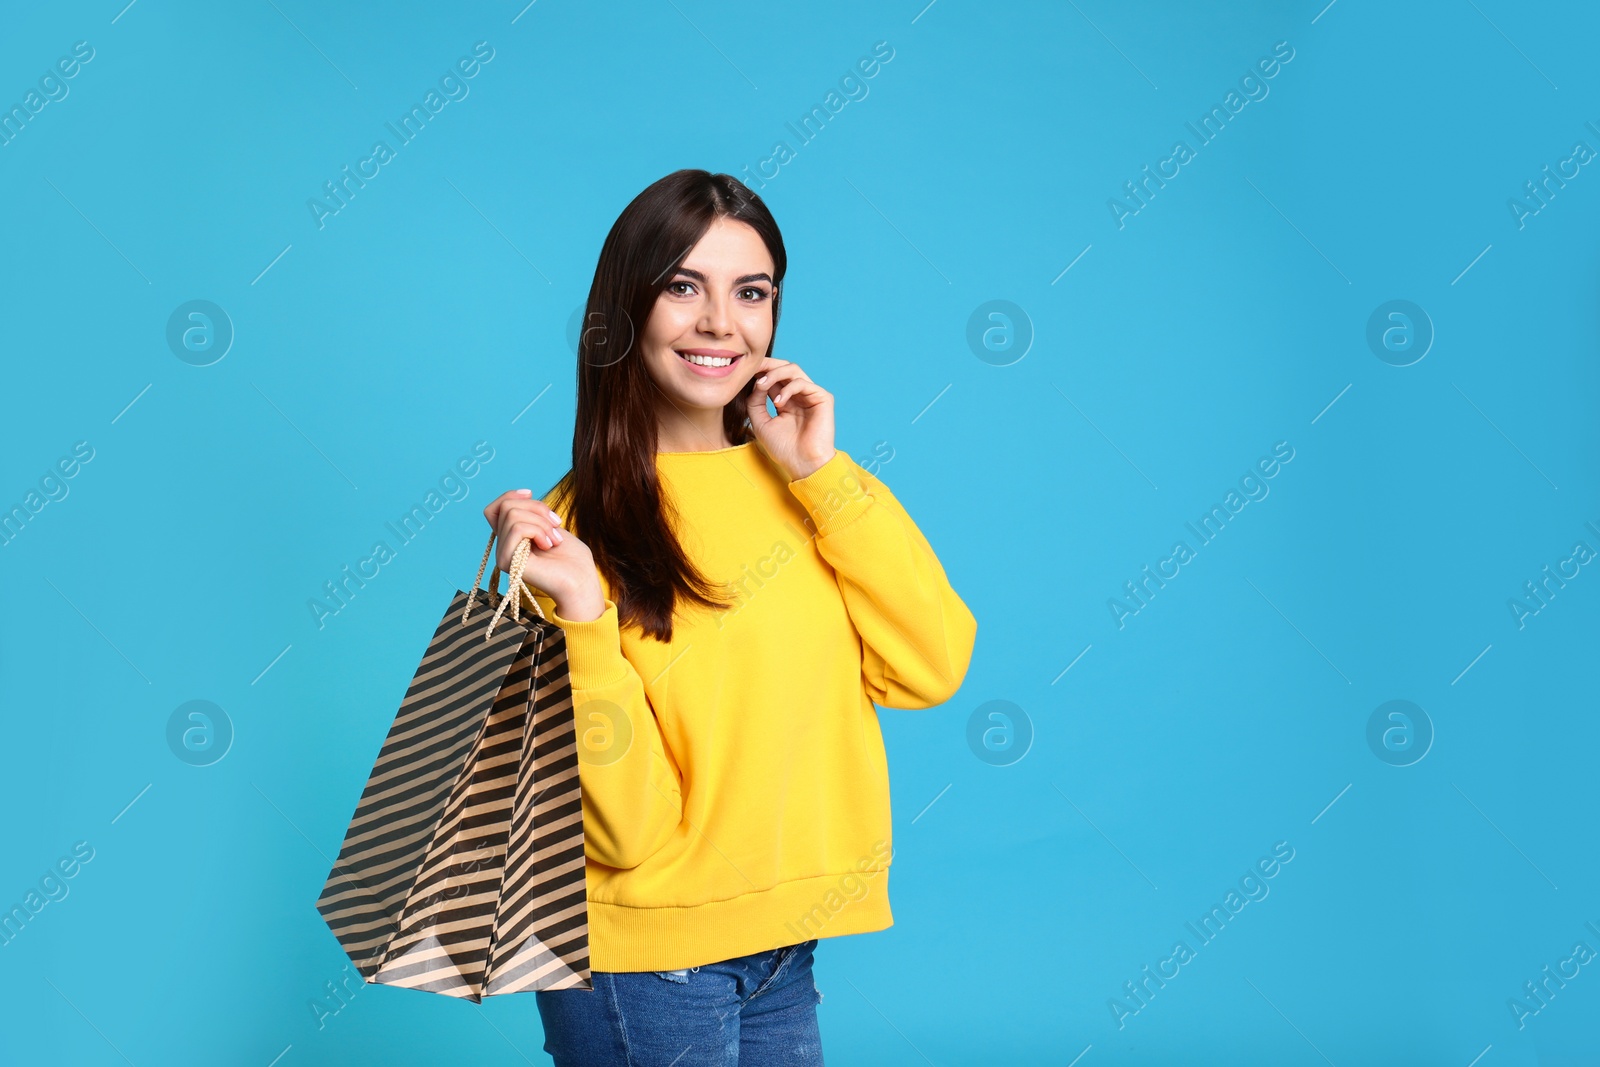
{"points": [[453, 86]]}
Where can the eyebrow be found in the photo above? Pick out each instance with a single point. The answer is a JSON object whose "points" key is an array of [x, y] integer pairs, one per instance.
{"points": [[743, 278]]}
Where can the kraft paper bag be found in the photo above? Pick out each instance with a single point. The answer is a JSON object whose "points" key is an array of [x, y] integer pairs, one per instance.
{"points": [[462, 871]]}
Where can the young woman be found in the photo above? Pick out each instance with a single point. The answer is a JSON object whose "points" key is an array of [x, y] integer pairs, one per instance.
{"points": [[736, 594]]}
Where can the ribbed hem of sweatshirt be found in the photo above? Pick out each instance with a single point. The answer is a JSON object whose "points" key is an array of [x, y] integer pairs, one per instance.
{"points": [[597, 641], [624, 938], [834, 493]]}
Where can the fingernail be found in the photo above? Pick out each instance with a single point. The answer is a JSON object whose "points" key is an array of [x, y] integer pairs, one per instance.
{"points": [[556, 517], [526, 492]]}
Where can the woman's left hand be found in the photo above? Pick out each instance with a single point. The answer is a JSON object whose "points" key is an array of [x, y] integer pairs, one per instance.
{"points": [[799, 438]]}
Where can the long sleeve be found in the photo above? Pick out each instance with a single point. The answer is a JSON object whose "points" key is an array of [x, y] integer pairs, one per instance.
{"points": [[632, 790], [917, 634]]}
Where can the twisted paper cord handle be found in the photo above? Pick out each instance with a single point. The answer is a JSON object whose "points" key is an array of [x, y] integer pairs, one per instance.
{"points": [[515, 589]]}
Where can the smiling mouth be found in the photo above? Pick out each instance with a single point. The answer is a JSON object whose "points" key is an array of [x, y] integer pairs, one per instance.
{"points": [[710, 361]]}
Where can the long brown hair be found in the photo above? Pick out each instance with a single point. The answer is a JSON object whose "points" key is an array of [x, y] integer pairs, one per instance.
{"points": [[611, 496]]}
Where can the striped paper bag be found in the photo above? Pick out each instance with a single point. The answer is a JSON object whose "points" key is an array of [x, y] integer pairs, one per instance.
{"points": [[462, 871]]}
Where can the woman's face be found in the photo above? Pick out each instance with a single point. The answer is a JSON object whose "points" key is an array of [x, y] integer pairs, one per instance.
{"points": [[717, 307]]}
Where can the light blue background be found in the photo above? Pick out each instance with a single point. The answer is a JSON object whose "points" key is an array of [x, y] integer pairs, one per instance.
{"points": [[1229, 314]]}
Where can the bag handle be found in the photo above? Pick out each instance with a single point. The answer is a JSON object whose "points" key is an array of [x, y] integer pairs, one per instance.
{"points": [[515, 589]]}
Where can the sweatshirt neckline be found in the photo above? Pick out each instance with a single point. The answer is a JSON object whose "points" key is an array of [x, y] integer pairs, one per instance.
{"points": [[742, 446]]}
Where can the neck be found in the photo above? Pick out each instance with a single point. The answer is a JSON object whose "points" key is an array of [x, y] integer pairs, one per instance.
{"points": [[695, 430]]}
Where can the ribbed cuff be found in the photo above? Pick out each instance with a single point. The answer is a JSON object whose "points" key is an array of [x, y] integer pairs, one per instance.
{"points": [[594, 649], [834, 493]]}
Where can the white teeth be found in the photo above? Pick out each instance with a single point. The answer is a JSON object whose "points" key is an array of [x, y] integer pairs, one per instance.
{"points": [[708, 361]]}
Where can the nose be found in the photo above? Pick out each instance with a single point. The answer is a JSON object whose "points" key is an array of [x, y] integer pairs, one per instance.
{"points": [[714, 318]]}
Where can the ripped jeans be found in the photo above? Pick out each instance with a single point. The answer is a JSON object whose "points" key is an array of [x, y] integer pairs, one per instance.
{"points": [[759, 1009]]}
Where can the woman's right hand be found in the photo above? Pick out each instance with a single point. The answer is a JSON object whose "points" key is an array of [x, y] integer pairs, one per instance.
{"points": [[559, 565]]}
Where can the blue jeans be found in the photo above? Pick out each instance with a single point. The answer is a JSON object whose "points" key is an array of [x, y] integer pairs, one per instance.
{"points": [[758, 1010]]}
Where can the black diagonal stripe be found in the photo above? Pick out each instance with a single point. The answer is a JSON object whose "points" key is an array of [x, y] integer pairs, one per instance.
{"points": [[455, 645], [548, 918], [463, 647]]}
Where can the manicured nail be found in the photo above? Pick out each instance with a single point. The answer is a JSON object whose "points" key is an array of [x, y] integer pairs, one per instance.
{"points": [[525, 492]]}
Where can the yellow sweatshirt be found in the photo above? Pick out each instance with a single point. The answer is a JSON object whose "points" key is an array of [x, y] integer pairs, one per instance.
{"points": [[735, 787]]}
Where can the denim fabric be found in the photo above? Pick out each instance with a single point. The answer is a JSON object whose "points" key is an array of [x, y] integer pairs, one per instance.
{"points": [[758, 1010]]}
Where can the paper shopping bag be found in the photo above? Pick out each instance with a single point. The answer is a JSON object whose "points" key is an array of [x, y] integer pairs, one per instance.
{"points": [[462, 871]]}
